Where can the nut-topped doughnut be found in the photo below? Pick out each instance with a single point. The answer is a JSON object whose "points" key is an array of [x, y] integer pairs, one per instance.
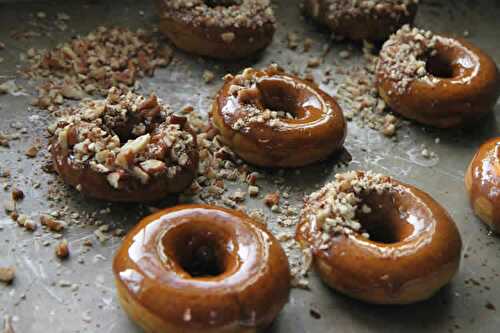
{"points": [[274, 119], [124, 148], [373, 20], [482, 181], [199, 268], [224, 29], [378, 240], [436, 80]]}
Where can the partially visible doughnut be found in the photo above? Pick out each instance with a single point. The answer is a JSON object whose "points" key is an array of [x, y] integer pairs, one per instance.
{"points": [[224, 29], [373, 20], [482, 181]]}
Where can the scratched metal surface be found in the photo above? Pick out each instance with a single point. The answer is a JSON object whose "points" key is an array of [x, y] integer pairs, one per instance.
{"points": [[38, 304]]}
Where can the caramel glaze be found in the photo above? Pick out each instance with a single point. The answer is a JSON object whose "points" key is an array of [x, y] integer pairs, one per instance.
{"points": [[482, 181], [359, 27], [207, 41], [94, 184], [467, 95], [420, 252], [249, 289], [318, 130]]}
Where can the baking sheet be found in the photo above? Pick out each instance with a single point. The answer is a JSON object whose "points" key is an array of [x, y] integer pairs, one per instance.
{"points": [[78, 295]]}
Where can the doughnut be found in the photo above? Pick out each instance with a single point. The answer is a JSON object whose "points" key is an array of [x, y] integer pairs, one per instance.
{"points": [[221, 29], [126, 148], [373, 20], [378, 240], [198, 268], [436, 80], [482, 181], [266, 115]]}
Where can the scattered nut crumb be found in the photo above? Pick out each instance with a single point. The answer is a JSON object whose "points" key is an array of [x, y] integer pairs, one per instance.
{"points": [[62, 249], [7, 274]]}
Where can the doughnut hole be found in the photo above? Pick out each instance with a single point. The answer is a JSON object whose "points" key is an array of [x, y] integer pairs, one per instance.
{"points": [[283, 95], [440, 66], [389, 221], [198, 251]]}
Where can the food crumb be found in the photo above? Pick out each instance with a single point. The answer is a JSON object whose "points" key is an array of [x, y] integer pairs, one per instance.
{"points": [[208, 76], [7, 274], [31, 152], [17, 194], [62, 249]]}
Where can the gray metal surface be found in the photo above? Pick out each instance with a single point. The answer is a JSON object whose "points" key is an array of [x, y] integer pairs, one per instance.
{"points": [[38, 303]]}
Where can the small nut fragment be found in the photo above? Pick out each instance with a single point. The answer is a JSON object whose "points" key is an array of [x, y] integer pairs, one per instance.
{"points": [[17, 194], [62, 249], [51, 224], [253, 191], [153, 167], [114, 179], [228, 37], [7, 274], [32, 151], [272, 199], [132, 148]]}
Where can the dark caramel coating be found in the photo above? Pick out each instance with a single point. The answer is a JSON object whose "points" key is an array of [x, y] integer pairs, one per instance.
{"points": [[468, 95], [373, 26], [482, 181], [318, 130], [250, 288], [94, 184], [209, 40], [420, 252]]}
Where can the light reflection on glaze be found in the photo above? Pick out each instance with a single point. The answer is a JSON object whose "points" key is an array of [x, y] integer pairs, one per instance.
{"points": [[249, 257]]}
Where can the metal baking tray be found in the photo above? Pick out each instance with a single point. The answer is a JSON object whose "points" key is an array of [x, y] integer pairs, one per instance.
{"points": [[38, 300]]}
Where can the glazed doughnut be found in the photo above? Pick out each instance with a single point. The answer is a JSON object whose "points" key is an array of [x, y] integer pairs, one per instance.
{"points": [[436, 80], [482, 181], [223, 29], [198, 268], [378, 240], [125, 148], [373, 20], [266, 116]]}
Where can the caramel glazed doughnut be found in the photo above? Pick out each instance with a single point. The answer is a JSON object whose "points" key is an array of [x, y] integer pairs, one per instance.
{"points": [[200, 268], [224, 29], [273, 119], [482, 181], [378, 240], [373, 20], [436, 80], [125, 148]]}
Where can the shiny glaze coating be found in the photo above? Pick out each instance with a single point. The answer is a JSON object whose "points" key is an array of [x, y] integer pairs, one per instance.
{"points": [[363, 25], [482, 181], [208, 41], [94, 184], [317, 131], [413, 251], [468, 95], [249, 290]]}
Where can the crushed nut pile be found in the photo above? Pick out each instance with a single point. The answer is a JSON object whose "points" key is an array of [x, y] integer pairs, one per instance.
{"points": [[91, 65], [403, 58], [154, 142], [334, 207]]}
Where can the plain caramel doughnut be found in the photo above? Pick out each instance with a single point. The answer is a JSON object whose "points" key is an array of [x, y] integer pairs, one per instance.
{"points": [[436, 80], [373, 20], [126, 148], [198, 268], [482, 181], [378, 240], [273, 119], [224, 29]]}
